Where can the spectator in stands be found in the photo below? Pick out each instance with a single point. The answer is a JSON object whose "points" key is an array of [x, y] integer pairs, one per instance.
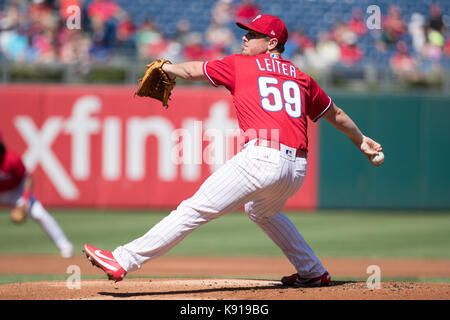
{"points": [[73, 44], [393, 28], [303, 40], [10, 18], [75, 47], [64, 5], [356, 24], [104, 15], [222, 13], [149, 40], [125, 33], [416, 29], [38, 9], [13, 40], [329, 52], [103, 10], [246, 11], [297, 43], [303, 51], [103, 37], [195, 50], [45, 47], [220, 39], [341, 32], [43, 32], [435, 45], [403, 64], [179, 41], [447, 48], [435, 21], [435, 34], [350, 52], [346, 39], [183, 31]]}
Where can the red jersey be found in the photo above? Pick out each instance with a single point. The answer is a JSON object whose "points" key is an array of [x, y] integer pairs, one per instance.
{"points": [[12, 171], [270, 93]]}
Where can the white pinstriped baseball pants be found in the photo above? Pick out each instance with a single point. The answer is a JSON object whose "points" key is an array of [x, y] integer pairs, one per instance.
{"points": [[260, 178]]}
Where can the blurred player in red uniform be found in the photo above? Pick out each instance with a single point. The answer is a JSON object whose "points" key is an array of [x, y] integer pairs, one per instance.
{"points": [[273, 100], [15, 191]]}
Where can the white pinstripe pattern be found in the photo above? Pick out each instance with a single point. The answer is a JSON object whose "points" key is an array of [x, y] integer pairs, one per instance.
{"points": [[262, 186]]}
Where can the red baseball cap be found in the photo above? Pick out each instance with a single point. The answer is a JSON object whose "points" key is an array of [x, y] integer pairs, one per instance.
{"points": [[269, 25]]}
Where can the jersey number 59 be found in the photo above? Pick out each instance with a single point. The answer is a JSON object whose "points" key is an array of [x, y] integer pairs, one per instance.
{"points": [[289, 99]]}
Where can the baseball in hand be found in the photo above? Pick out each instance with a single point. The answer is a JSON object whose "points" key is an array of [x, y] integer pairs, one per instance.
{"points": [[377, 159]]}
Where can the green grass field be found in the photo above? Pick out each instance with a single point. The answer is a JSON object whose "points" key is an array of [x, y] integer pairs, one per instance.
{"points": [[330, 233], [359, 234]]}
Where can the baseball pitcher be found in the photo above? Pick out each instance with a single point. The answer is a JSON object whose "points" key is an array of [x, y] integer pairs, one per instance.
{"points": [[274, 102]]}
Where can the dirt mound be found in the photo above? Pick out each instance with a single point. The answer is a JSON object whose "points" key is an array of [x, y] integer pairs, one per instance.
{"points": [[231, 279], [219, 289]]}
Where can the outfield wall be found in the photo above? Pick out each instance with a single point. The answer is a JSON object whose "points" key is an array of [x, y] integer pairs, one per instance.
{"points": [[415, 133], [98, 146]]}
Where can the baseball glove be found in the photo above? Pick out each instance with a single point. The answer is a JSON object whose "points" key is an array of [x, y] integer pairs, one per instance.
{"points": [[156, 83], [19, 213]]}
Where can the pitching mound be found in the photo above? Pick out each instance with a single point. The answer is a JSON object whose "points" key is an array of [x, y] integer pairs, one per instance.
{"points": [[183, 278], [219, 289]]}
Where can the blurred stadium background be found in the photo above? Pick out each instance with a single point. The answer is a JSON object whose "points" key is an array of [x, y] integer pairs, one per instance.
{"points": [[328, 38], [394, 81]]}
